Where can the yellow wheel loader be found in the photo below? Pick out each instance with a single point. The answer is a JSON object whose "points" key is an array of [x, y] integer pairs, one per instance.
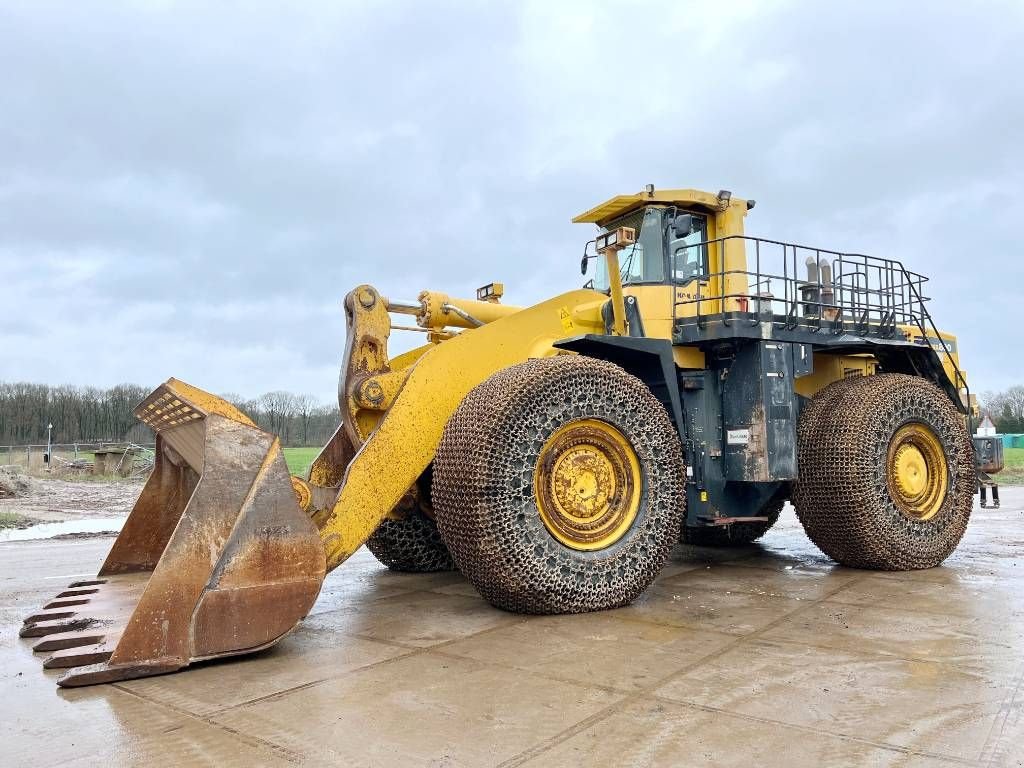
{"points": [[555, 453]]}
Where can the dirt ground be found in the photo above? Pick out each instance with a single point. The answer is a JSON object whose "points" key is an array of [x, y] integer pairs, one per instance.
{"points": [[53, 500], [765, 655]]}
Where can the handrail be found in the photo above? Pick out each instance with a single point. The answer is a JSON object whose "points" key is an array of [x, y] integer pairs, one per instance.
{"points": [[961, 379], [877, 294]]}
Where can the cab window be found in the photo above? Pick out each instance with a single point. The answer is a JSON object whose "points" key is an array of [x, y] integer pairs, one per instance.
{"points": [[642, 262], [688, 254]]}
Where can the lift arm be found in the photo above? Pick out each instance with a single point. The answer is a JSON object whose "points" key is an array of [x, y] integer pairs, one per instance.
{"points": [[405, 439]]}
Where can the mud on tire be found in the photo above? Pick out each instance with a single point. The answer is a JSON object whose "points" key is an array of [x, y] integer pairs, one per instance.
{"points": [[483, 488], [843, 497]]}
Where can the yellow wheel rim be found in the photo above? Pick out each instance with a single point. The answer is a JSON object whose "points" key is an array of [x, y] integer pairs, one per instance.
{"points": [[917, 470], [587, 484]]}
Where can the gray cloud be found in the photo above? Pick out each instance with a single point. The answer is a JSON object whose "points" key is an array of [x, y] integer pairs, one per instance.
{"points": [[190, 191]]}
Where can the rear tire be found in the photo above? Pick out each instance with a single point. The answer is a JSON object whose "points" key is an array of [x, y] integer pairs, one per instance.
{"points": [[497, 479], [412, 543], [886, 472], [736, 534]]}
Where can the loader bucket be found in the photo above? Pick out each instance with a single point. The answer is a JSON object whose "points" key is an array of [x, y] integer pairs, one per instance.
{"points": [[216, 558]]}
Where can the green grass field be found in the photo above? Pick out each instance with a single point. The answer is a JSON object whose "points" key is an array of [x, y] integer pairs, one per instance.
{"points": [[299, 459], [1013, 474], [13, 520]]}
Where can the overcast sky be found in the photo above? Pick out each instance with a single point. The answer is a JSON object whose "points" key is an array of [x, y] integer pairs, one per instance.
{"points": [[190, 191]]}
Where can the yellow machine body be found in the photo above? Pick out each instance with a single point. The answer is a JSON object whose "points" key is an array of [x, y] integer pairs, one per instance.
{"points": [[224, 530]]}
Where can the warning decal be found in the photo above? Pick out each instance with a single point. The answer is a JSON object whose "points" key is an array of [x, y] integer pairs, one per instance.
{"points": [[566, 318]]}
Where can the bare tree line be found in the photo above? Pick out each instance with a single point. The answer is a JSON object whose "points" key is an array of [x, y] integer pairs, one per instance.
{"points": [[296, 419], [1006, 409], [92, 414]]}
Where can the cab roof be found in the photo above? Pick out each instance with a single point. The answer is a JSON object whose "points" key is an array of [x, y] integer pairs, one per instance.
{"points": [[621, 204]]}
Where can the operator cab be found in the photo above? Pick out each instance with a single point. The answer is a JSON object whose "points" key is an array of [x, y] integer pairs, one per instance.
{"points": [[670, 247], [672, 228]]}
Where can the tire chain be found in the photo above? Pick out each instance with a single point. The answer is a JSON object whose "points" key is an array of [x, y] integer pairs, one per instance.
{"points": [[411, 544], [483, 487], [842, 497]]}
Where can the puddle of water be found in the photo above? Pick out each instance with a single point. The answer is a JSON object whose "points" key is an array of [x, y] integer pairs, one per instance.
{"points": [[49, 530]]}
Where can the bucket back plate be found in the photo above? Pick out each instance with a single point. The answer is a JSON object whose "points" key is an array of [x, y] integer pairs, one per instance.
{"points": [[216, 558]]}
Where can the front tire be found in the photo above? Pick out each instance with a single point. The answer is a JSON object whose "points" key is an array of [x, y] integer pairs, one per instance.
{"points": [[886, 473], [559, 486]]}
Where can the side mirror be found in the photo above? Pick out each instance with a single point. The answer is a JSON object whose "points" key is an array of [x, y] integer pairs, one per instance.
{"points": [[586, 257], [682, 225]]}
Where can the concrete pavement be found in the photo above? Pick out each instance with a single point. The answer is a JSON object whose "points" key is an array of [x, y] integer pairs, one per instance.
{"points": [[766, 655]]}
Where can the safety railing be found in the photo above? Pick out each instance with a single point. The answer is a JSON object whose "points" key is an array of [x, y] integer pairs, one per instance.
{"points": [[815, 289], [803, 285]]}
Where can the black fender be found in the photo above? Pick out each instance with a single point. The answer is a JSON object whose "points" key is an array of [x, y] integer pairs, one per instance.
{"points": [[650, 360], [920, 361], [898, 356]]}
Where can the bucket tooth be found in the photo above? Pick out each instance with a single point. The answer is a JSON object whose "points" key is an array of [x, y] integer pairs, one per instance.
{"points": [[77, 592], [109, 606], [67, 603], [79, 656], [47, 614], [41, 628], [61, 640], [106, 672], [215, 559]]}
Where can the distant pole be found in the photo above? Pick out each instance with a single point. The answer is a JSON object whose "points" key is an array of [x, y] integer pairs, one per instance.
{"points": [[49, 447]]}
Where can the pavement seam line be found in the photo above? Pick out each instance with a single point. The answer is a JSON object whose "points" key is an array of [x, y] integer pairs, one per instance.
{"points": [[817, 731], [440, 650], [695, 626], [758, 635], [573, 730], [413, 651], [308, 684], [312, 683], [882, 655], [888, 654], [996, 743], [742, 638], [553, 678], [249, 739]]}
